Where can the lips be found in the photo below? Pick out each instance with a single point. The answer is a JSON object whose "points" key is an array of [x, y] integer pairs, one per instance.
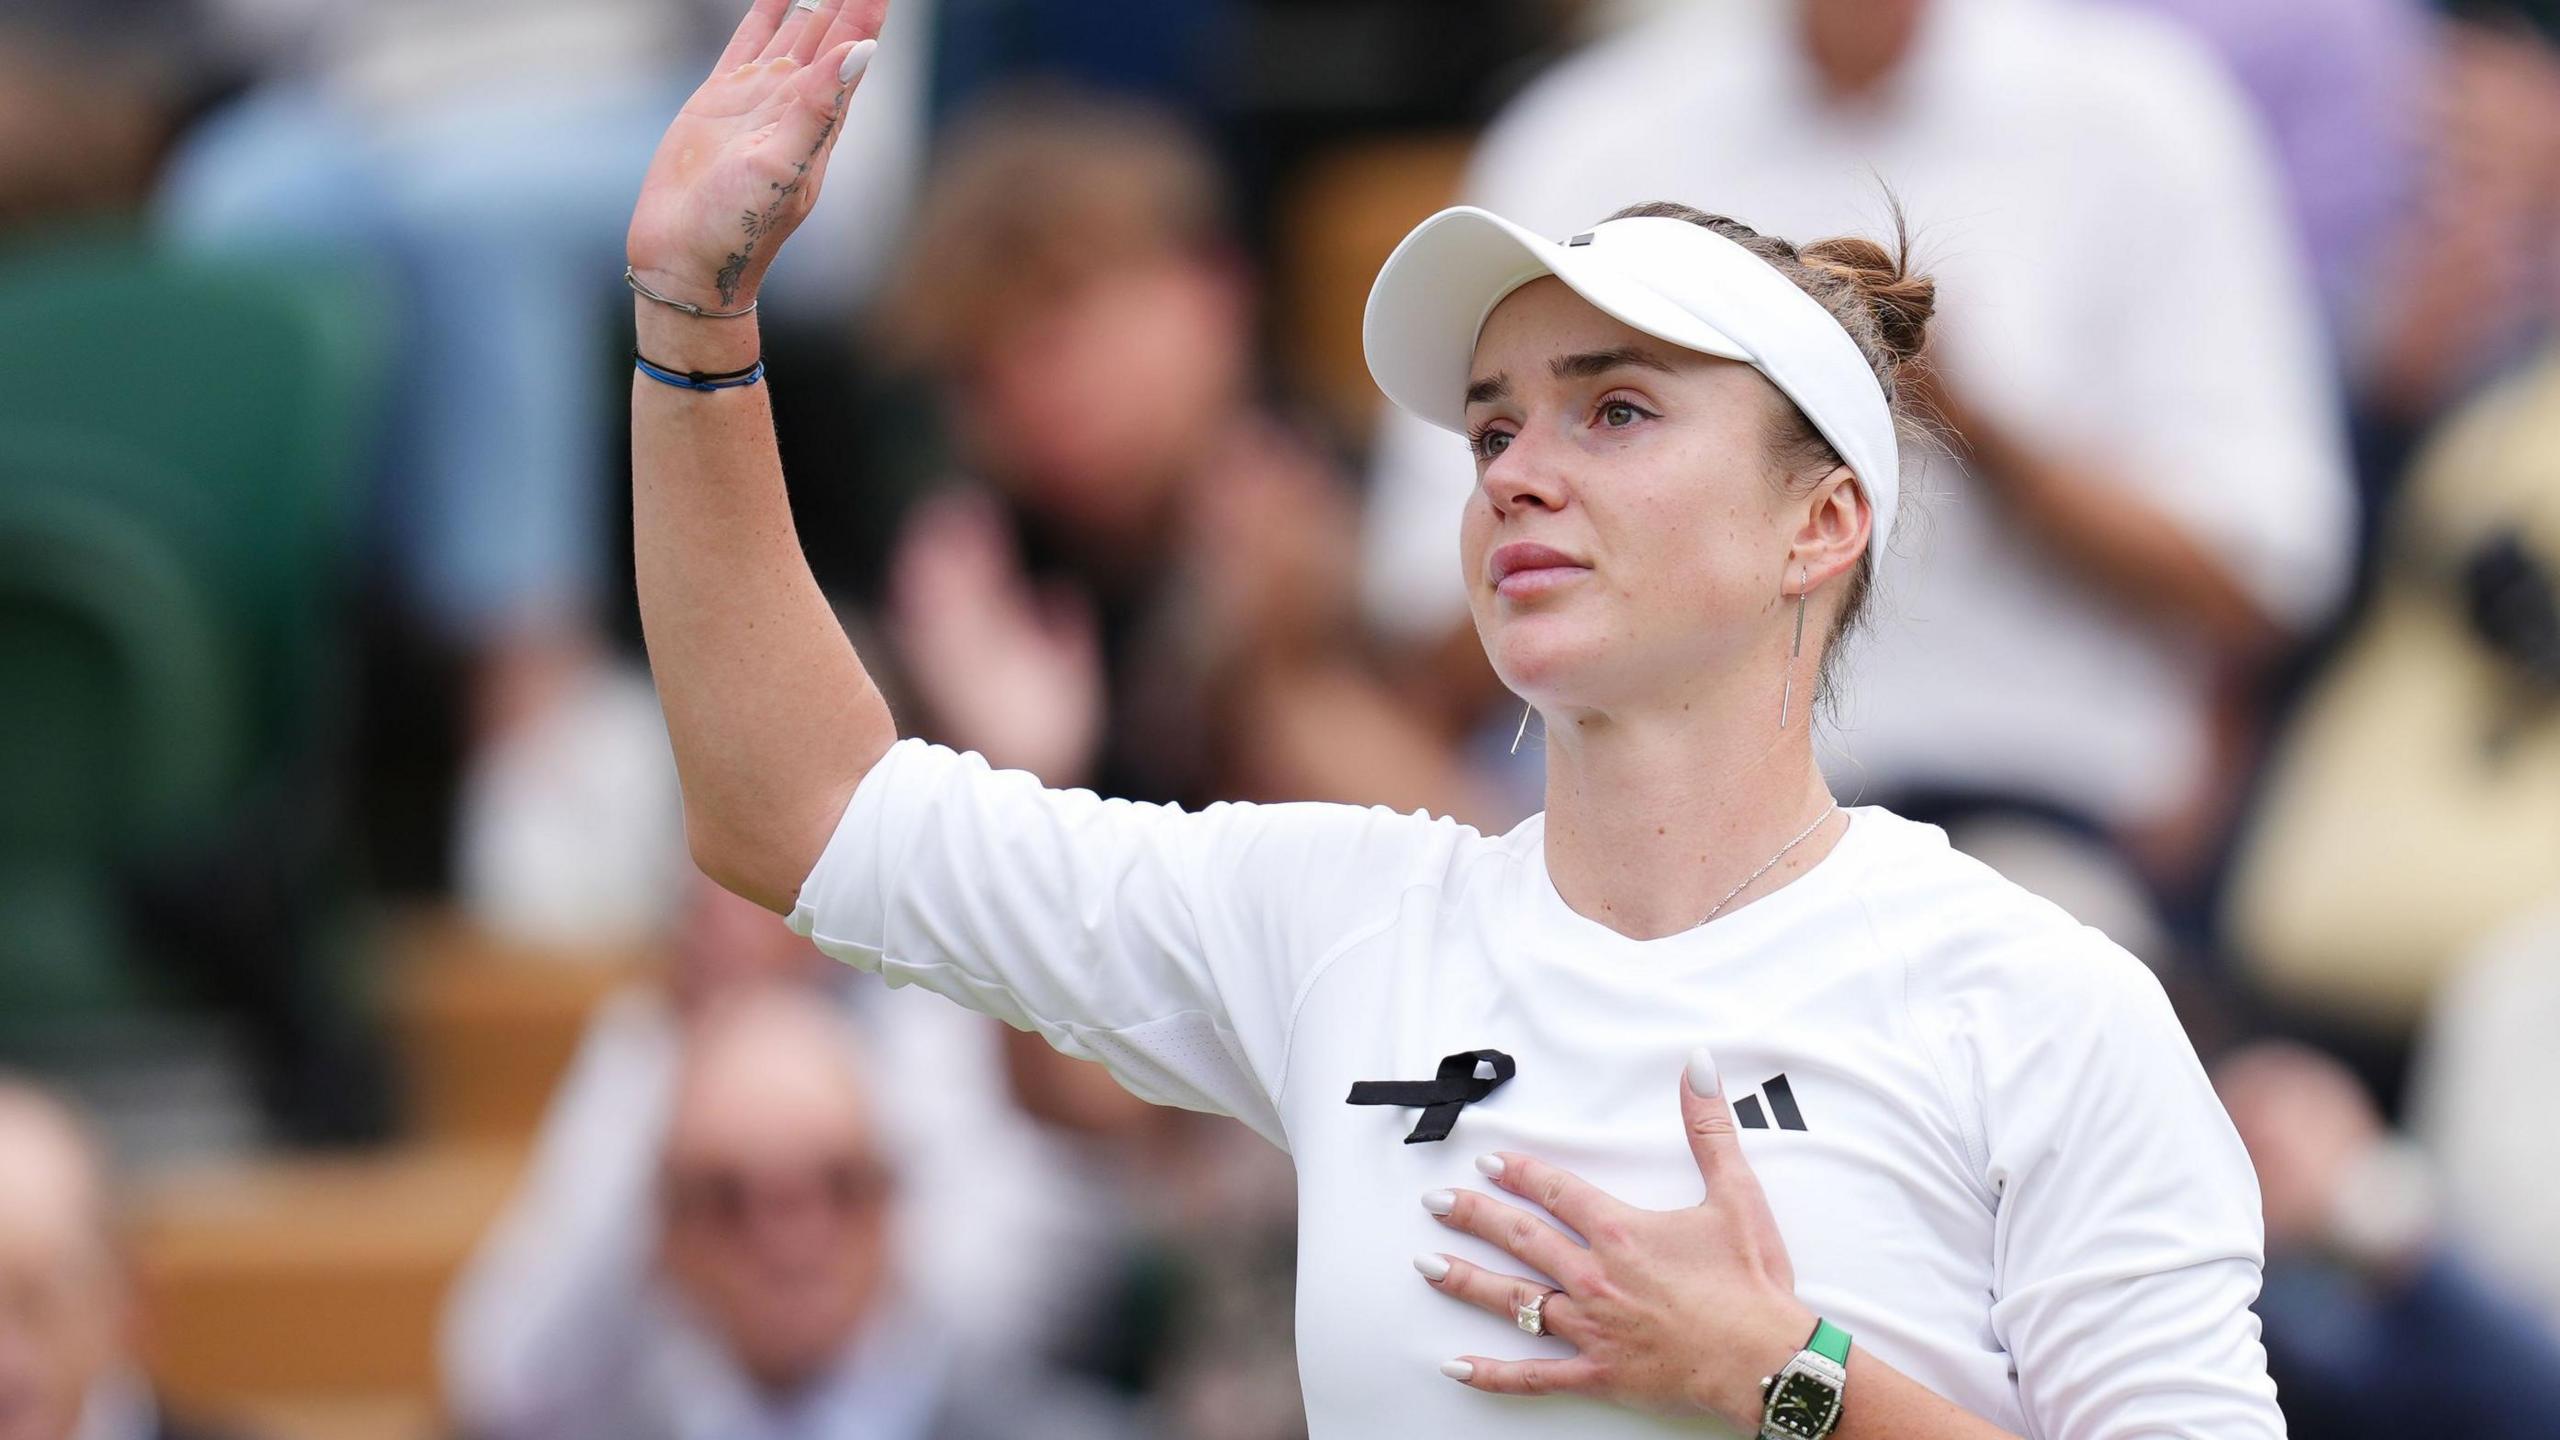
{"points": [[1524, 568]]}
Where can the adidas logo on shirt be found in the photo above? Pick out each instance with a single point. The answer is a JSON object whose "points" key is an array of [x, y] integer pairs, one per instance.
{"points": [[1782, 1103]]}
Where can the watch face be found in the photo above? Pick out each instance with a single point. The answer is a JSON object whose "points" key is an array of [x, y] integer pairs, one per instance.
{"points": [[1803, 1405]]}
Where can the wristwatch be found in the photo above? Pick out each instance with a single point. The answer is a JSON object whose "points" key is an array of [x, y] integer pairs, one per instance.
{"points": [[1802, 1401]]}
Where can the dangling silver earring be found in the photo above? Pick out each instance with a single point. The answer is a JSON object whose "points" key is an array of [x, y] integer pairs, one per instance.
{"points": [[1786, 697], [1524, 728]]}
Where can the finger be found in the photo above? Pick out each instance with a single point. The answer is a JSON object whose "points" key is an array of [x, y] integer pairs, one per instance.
{"points": [[804, 132], [813, 36], [1713, 1140], [858, 20], [1524, 1377], [1733, 1190], [761, 20], [1590, 1210], [1525, 1237], [796, 21], [1496, 1294]]}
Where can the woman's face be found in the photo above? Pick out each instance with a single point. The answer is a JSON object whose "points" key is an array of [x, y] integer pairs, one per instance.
{"points": [[1626, 538], [1086, 406]]}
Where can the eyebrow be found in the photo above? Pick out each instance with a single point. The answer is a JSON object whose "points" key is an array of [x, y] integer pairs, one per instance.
{"points": [[1579, 366]]}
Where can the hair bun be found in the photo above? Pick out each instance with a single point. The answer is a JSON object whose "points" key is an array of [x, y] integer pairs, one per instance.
{"points": [[1898, 301]]}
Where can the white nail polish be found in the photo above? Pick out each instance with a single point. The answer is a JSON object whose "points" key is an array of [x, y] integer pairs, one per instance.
{"points": [[1703, 1079], [1489, 1166], [1434, 1268], [856, 60], [1440, 1202], [1458, 1369]]}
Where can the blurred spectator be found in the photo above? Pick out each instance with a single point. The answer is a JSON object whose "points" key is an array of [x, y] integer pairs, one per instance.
{"points": [[483, 157], [2475, 1100], [2339, 86], [2411, 807], [2376, 1323], [67, 1371], [994, 1207], [776, 1309], [2475, 277], [2149, 485], [1152, 596], [2472, 282]]}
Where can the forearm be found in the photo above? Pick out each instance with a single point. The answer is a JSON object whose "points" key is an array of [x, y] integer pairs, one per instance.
{"points": [[772, 717], [1885, 1404], [2125, 545]]}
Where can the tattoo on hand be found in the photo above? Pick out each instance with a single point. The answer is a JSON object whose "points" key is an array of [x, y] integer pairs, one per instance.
{"points": [[757, 224]]}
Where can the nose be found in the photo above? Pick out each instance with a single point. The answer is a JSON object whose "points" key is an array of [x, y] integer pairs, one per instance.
{"points": [[1523, 477]]}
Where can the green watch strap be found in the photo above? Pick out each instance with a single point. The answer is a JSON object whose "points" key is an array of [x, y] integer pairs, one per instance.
{"points": [[1830, 1342]]}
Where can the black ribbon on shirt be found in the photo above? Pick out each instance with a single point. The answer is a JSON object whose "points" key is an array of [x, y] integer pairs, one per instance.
{"points": [[1456, 1087]]}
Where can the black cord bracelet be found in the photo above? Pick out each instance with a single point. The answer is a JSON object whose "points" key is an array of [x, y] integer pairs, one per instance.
{"points": [[698, 379]]}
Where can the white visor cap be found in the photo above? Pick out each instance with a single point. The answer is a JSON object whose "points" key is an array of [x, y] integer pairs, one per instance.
{"points": [[1668, 278]]}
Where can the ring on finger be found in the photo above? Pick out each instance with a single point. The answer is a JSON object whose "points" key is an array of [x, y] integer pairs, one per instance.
{"points": [[1532, 1317]]}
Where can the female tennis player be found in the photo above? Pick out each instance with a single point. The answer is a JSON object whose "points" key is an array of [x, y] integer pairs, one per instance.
{"points": [[1961, 1173]]}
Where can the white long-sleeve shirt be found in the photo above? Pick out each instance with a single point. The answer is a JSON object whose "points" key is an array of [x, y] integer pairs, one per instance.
{"points": [[2118, 286], [1989, 1147]]}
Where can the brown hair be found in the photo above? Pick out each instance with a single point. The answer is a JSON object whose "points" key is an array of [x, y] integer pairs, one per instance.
{"points": [[1884, 306], [1035, 192]]}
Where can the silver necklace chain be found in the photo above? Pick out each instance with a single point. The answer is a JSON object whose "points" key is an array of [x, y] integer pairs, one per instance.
{"points": [[1783, 852]]}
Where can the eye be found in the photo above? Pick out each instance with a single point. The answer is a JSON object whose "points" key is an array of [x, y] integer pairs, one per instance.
{"points": [[1488, 442], [1618, 414]]}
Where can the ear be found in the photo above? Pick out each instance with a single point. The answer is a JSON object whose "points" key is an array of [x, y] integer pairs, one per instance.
{"points": [[1837, 520]]}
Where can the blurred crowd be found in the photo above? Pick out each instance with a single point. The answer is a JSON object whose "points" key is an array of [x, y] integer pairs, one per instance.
{"points": [[2231, 623]]}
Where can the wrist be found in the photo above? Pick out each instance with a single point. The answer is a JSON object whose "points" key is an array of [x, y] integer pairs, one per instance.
{"points": [[1729, 1386], [683, 342], [691, 287]]}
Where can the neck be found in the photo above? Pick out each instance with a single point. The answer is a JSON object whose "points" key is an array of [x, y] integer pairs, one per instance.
{"points": [[1654, 815]]}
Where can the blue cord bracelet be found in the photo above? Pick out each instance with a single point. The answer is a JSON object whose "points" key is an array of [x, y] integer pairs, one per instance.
{"points": [[697, 379]]}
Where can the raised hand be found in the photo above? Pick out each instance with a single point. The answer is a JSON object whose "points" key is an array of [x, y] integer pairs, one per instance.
{"points": [[741, 165]]}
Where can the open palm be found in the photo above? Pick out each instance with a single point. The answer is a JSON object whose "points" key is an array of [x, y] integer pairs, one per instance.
{"points": [[741, 165]]}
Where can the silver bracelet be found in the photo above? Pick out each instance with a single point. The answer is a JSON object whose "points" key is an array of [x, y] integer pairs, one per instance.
{"points": [[641, 288]]}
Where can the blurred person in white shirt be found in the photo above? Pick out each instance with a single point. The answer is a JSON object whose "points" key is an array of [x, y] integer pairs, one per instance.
{"points": [[777, 1302], [994, 1199]]}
